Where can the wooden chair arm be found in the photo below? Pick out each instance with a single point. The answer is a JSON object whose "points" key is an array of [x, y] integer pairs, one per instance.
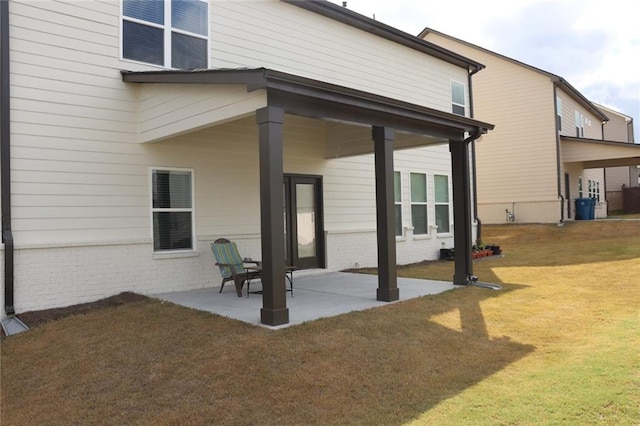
{"points": [[231, 266]]}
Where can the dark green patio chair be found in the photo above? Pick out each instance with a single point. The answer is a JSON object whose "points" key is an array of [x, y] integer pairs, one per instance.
{"points": [[231, 264]]}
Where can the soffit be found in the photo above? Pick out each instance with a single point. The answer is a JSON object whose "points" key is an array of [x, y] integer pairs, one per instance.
{"points": [[316, 99], [597, 153]]}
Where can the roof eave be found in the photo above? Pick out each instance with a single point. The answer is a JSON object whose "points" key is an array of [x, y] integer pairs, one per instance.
{"points": [[283, 87], [354, 19], [561, 82]]}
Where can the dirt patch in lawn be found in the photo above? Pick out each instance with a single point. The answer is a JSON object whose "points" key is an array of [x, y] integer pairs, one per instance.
{"points": [[36, 318]]}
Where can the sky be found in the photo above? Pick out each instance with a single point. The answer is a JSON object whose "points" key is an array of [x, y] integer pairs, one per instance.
{"points": [[592, 44]]}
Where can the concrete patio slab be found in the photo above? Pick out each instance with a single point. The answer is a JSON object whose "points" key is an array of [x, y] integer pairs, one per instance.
{"points": [[314, 296]]}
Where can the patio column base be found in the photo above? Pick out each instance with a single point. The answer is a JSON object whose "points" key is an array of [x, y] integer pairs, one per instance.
{"points": [[460, 279], [274, 317], [388, 294]]}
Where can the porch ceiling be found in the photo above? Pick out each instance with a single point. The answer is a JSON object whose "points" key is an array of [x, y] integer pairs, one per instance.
{"points": [[316, 99], [593, 153]]}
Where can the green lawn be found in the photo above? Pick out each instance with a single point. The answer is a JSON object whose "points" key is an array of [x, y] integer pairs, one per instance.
{"points": [[559, 345]]}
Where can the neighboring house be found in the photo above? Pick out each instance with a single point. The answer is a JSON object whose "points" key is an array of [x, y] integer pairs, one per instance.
{"points": [[619, 128], [548, 148], [134, 134]]}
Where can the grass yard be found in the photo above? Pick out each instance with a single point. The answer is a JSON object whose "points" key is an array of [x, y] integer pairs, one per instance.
{"points": [[559, 345]]}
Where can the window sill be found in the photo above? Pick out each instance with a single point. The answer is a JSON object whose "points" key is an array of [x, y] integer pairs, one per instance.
{"points": [[175, 254], [422, 237], [445, 235]]}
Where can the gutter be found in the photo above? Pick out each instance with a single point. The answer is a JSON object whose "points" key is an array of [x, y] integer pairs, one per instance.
{"points": [[5, 153], [473, 160], [558, 161]]}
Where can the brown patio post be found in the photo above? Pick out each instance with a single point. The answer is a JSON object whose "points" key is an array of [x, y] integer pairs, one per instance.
{"points": [[385, 214], [274, 303], [462, 238]]}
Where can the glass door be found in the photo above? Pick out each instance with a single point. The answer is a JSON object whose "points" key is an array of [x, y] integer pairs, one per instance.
{"points": [[304, 230]]}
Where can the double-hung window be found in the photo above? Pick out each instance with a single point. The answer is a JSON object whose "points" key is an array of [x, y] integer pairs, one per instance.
{"points": [[169, 33], [397, 197], [172, 210], [558, 113], [579, 125], [441, 186], [419, 203], [458, 104]]}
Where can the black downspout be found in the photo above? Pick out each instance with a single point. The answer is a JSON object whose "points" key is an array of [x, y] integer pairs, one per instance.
{"points": [[5, 153], [473, 161], [558, 162]]}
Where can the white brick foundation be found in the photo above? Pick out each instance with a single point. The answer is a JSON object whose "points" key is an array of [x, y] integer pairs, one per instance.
{"points": [[61, 276]]}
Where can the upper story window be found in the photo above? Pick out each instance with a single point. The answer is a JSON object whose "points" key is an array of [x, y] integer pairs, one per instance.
{"points": [[458, 104], [579, 125], [169, 33], [558, 114]]}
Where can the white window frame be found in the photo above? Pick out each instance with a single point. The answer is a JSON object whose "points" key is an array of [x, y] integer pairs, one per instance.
{"points": [[559, 113], [594, 189], [398, 203], [464, 95], [580, 187], [167, 30], [440, 203], [579, 124], [192, 209], [425, 203]]}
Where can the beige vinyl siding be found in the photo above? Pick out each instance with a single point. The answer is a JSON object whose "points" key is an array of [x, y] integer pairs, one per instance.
{"points": [[114, 203], [76, 174], [592, 124], [170, 109], [81, 177], [343, 140], [618, 176], [226, 165], [617, 128], [272, 34], [574, 151], [516, 161]]}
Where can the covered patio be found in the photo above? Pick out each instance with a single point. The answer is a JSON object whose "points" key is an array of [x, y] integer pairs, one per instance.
{"points": [[270, 96], [594, 153], [315, 296]]}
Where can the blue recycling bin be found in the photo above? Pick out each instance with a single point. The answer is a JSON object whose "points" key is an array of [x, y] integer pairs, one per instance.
{"points": [[585, 208]]}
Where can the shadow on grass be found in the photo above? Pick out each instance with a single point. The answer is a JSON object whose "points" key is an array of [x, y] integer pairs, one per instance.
{"points": [[380, 366], [393, 363]]}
